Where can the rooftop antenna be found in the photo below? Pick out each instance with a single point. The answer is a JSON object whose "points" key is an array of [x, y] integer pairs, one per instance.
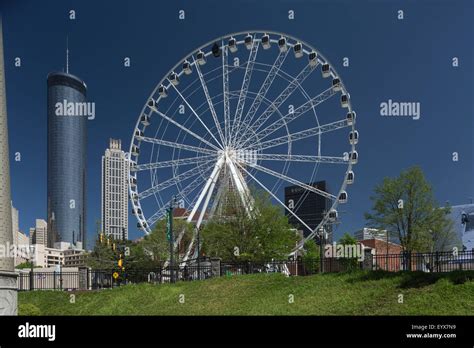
{"points": [[67, 54]]}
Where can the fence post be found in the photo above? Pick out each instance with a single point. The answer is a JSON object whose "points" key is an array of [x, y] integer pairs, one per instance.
{"points": [[437, 262], [216, 267], [32, 280]]}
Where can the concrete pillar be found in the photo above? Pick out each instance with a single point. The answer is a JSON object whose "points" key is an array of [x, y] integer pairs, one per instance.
{"points": [[8, 286]]}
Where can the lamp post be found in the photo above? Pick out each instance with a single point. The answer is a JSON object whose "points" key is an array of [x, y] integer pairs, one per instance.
{"points": [[199, 251], [169, 236]]}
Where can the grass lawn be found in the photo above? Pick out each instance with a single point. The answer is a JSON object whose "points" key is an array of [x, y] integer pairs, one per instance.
{"points": [[360, 293]]}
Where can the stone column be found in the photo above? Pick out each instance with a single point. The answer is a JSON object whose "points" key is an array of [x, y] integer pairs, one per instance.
{"points": [[8, 286]]}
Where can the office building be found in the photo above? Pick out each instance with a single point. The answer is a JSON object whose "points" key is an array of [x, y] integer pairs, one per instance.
{"points": [[308, 206], [39, 233], [67, 144], [115, 191], [370, 233]]}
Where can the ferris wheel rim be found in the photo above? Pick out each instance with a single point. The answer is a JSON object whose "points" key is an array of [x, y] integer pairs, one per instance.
{"points": [[221, 38]]}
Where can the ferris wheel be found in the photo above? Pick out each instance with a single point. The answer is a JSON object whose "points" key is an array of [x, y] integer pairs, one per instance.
{"points": [[251, 109]]}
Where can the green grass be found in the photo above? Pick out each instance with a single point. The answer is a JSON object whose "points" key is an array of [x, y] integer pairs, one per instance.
{"points": [[361, 293]]}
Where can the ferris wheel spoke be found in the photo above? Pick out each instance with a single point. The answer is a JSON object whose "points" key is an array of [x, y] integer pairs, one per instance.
{"points": [[169, 119], [176, 145], [225, 88], [298, 112], [182, 194], [297, 81], [212, 178], [174, 180], [292, 181], [171, 163], [274, 196], [300, 158], [209, 101], [263, 91], [245, 86], [330, 127], [195, 114]]}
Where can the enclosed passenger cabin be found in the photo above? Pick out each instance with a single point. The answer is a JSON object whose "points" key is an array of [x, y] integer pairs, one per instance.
{"points": [[313, 58], [350, 177], [354, 137], [332, 215], [174, 78], [216, 50], [137, 211], [345, 100], [135, 150], [145, 120], [232, 44], [326, 70], [298, 50], [201, 58], [138, 133], [151, 103], [282, 44], [163, 91], [248, 41], [342, 197], [133, 181], [187, 67], [266, 42], [354, 157], [351, 118], [336, 85]]}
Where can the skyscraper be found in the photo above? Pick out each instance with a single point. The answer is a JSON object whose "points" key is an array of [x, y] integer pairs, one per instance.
{"points": [[114, 191], [8, 289], [67, 145]]}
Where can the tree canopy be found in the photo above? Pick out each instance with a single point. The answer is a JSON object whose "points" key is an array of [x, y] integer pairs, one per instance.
{"points": [[405, 206], [260, 234]]}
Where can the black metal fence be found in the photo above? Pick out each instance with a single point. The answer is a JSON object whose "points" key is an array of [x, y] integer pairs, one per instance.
{"points": [[88, 279]]}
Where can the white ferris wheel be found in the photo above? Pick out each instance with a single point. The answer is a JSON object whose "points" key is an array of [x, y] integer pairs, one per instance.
{"points": [[251, 108]]}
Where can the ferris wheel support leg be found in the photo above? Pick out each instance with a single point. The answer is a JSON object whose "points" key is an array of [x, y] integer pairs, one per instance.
{"points": [[201, 217], [242, 188], [214, 174]]}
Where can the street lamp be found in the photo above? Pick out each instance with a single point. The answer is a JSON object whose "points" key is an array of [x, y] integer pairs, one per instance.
{"points": [[169, 235]]}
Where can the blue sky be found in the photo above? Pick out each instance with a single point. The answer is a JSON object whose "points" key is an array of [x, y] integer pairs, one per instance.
{"points": [[403, 60]]}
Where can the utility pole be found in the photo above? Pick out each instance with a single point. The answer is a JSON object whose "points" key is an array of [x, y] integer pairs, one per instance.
{"points": [[321, 252], [169, 236], [199, 251]]}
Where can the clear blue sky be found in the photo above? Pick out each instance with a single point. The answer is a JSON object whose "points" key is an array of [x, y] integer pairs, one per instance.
{"points": [[408, 60]]}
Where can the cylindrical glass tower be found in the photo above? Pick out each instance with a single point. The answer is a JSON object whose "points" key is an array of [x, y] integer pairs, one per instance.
{"points": [[67, 147]]}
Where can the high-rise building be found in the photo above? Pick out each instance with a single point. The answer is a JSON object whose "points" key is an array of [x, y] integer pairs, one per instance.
{"points": [[39, 233], [308, 206], [8, 286], [370, 233], [114, 191], [67, 145]]}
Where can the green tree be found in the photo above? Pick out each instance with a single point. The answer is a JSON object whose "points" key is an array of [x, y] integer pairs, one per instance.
{"points": [[157, 245], [257, 235], [405, 206], [311, 256], [348, 263]]}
